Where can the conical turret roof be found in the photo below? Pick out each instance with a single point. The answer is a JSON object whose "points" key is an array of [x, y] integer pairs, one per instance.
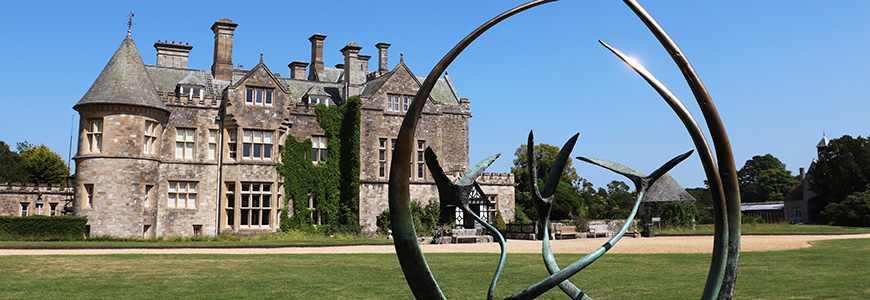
{"points": [[124, 80]]}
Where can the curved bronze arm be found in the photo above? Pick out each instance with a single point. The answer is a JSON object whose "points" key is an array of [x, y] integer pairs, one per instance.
{"points": [[414, 266], [727, 168]]}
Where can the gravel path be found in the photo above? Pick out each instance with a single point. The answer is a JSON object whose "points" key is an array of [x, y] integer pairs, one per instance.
{"points": [[673, 244]]}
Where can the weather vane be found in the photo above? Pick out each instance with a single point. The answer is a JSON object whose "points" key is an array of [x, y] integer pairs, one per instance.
{"points": [[130, 21]]}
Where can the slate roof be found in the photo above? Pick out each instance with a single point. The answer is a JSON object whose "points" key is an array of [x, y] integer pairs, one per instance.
{"points": [[165, 79], [666, 189], [442, 92], [124, 80], [298, 89]]}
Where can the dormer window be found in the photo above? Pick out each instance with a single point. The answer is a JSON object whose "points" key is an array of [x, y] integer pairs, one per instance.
{"points": [[314, 100], [399, 103], [258, 96], [190, 92]]}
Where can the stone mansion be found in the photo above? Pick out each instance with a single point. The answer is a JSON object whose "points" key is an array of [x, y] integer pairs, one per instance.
{"points": [[164, 150]]}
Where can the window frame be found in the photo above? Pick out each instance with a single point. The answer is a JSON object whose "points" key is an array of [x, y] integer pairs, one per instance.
{"points": [[318, 99], [88, 189], [319, 149], [212, 144], [249, 194], [260, 96], [232, 144], [254, 149], [190, 90], [189, 202], [151, 129], [94, 135], [417, 167], [399, 103], [188, 147]]}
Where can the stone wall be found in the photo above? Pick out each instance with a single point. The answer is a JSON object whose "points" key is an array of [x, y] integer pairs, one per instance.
{"points": [[501, 185], [16, 197]]}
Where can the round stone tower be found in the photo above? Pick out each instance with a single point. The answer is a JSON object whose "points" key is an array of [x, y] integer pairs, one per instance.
{"points": [[122, 120]]}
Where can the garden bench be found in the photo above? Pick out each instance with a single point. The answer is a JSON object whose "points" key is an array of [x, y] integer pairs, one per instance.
{"points": [[599, 230], [563, 232]]}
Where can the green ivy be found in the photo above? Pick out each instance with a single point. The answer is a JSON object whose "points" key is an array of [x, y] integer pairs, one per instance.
{"points": [[333, 184], [677, 213]]}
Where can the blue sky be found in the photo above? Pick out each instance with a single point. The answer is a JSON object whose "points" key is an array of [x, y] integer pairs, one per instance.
{"points": [[780, 73]]}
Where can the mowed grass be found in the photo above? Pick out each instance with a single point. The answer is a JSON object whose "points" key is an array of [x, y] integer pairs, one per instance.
{"points": [[291, 238], [832, 269], [769, 228]]}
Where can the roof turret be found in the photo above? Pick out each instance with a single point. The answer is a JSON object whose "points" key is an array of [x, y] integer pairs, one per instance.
{"points": [[124, 80]]}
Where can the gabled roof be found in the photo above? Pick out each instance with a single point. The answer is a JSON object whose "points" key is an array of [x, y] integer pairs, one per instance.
{"points": [[441, 93], [191, 79], [253, 70], [666, 189], [124, 80], [315, 89]]}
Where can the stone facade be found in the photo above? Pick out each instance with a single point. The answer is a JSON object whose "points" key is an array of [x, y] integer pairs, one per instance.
{"points": [[18, 200], [169, 151]]}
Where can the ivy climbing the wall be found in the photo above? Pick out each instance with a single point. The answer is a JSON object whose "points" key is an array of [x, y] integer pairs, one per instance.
{"points": [[334, 184]]}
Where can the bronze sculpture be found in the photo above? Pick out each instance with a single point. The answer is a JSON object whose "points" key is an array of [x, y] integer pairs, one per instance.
{"points": [[721, 176]]}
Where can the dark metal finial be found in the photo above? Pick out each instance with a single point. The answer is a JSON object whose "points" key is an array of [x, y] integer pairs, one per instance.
{"points": [[130, 21]]}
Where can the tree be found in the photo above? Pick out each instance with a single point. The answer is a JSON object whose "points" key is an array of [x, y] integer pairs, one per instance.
{"points": [[843, 169], [615, 202], [567, 201], [853, 211], [705, 201], [11, 166], [764, 178], [43, 165]]}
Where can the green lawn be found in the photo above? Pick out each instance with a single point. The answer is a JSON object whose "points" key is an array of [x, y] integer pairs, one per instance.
{"points": [[286, 239], [769, 228], [834, 269]]}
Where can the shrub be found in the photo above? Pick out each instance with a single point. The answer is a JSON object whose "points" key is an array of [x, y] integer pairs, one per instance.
{"points": [[751, 219], [42, 227], [520, 218], [853, 211], [425, 219], [676, 214], [499, 223]]}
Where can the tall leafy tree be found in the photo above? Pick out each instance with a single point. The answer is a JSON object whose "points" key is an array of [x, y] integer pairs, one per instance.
{"points": [[843, 169], [11, 165], [567, 199], [43, 165], [764, 178]]}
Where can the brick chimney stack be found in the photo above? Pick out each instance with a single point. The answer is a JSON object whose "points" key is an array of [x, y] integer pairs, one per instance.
{"points": [[317, 71], [383, 68], [171, 54], [222, 68], [297, 70]]}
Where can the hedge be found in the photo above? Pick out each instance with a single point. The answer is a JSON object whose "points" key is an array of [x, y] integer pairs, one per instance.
{"points": [[42, 227]]}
